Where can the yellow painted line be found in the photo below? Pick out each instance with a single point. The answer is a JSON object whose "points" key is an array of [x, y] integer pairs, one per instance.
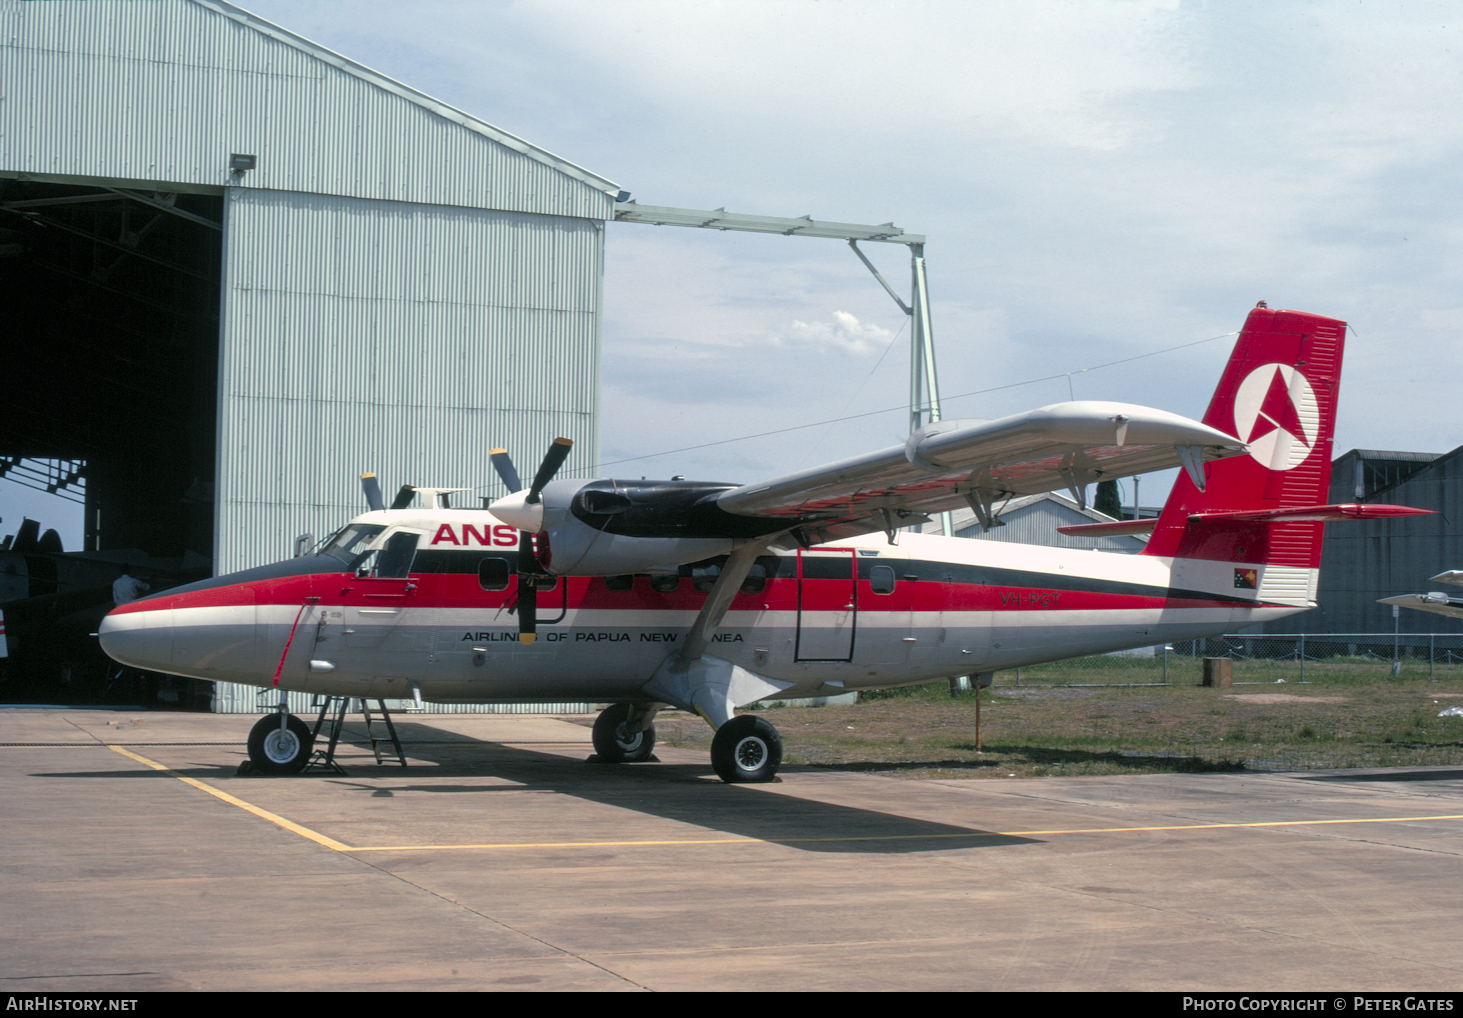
{"points": [[338, 846], [232, 800], [1259, 823], [897, 837]]}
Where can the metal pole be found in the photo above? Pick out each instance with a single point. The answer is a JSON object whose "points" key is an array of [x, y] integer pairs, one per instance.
{"points": [[1396, 639], [924, 384]]}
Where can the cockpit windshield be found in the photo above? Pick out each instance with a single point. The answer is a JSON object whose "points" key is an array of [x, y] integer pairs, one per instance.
{"points": [[350, 542]]}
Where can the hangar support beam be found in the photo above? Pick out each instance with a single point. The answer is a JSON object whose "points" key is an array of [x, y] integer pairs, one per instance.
{"points": [[924, 391], [924, 387]]}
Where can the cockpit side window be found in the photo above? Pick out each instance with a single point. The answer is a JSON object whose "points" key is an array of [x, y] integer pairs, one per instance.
{"points": [[350, 542], [395, 559]]}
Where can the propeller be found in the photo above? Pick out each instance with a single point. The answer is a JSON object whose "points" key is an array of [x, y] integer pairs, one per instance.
{"points": [[504, 466], [529, 570], [372, 489], [553, 460]]}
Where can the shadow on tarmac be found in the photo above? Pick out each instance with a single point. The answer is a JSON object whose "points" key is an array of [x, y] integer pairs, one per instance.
{"points": [[688, 794], [1425, 775]]}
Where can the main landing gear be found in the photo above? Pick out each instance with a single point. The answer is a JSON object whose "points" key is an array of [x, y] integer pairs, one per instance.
{"points": [[280, 749], [622, 734], [745, 749]]}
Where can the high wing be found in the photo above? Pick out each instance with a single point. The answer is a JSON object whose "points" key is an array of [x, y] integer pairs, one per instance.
{"points": [[607, 527], [965, 462]]}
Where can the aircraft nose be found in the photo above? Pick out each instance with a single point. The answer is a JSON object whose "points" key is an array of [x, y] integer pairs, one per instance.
{"points": [[139, 639]]}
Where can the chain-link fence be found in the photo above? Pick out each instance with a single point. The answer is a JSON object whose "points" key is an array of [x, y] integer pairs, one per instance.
{"points": [[1302, 657]]}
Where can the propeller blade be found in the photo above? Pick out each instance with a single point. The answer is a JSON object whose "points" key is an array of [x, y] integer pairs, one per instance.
{"points": [[372, 490], [403, 497], [527, 589], [503, 464], [557, 454]]}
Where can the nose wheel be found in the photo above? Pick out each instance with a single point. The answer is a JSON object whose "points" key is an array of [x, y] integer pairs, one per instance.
{"points": [[276, 750], [746, 749]]}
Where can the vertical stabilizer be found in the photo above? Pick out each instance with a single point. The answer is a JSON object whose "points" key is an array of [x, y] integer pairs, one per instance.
{"points": [[1277, 395]]}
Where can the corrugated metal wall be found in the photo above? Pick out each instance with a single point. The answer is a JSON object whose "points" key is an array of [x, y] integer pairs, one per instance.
{"points": [[403, 339], [1035, 519], [1361, 562], [230, 698], [164, 92]]}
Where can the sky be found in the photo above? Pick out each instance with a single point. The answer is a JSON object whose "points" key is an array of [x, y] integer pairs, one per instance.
{"points": [[1098, 180]]}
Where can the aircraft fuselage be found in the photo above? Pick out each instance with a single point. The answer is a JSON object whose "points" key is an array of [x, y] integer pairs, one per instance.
{"points": [[856, 615]]}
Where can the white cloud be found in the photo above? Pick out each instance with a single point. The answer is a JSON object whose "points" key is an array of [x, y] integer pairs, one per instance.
{"points": [[845, 334]]}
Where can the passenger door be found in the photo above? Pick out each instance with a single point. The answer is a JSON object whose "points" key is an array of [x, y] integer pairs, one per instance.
{"points": [[827, 604]]}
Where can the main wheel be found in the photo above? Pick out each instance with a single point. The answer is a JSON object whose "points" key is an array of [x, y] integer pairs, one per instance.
{"points": [[614, 744], [279, 752], [746, 749]]}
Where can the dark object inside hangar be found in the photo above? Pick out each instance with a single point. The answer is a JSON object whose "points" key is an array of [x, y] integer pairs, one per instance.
{"points": [[112, 301], [113, 304]]}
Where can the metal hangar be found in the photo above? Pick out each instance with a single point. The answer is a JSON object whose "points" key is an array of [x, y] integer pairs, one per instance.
{"points": [[242, 269]]}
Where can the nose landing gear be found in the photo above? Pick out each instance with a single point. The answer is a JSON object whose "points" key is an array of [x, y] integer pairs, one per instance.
{"points": [[280, 749]]}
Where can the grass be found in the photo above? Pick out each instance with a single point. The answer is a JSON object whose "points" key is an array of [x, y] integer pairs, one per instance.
{"points": [[1347, 714]]}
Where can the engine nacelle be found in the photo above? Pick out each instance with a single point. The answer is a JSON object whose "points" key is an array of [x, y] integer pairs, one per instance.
{"points": [[577, 550], [605, 527]]}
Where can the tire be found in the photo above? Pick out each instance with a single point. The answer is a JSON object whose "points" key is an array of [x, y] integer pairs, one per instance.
{"points": [[746, 749], [275, 752], [613, 745]]}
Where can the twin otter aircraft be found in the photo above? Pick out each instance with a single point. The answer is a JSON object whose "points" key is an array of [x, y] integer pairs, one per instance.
{"points": [[704, 596]]}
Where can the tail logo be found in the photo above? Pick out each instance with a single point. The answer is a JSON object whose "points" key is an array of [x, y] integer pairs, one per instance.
{"points": [[1277, 414]]}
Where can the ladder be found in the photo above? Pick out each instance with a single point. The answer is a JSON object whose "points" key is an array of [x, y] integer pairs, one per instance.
{"points": [[336, 708]]}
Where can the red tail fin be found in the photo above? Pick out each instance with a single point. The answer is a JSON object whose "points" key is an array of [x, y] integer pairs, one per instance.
{"points": [[1278, 395]]}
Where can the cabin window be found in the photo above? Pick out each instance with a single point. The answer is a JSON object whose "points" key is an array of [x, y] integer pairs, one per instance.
{"points": [[756, 580], [545, 582], [703, 578], [493, 573], [881, 580], [620, 584], [665, 583]]}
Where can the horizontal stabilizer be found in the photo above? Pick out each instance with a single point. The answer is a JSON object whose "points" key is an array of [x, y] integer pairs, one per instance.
{"points": [[1310, 514], [1303, 514], [1117, 528]]}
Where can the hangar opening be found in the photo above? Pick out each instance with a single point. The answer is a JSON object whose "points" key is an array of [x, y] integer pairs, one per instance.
{"points": [[114, 354], [112, 308]]}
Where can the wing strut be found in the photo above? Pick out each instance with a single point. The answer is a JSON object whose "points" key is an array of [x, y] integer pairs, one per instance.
{"points": [[707, 685]]}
